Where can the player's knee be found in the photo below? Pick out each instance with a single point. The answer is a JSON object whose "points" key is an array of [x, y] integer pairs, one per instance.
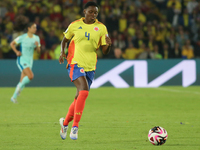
{"points": [[83, 87], [86, 88], [31, 77]]}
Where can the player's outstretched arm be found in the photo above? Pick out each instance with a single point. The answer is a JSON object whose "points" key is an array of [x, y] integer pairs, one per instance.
{"points": [[62, 53], [12, 44], [106, 48]]}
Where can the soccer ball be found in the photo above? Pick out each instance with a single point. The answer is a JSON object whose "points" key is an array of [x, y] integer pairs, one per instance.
{"points": [[157, 135]]}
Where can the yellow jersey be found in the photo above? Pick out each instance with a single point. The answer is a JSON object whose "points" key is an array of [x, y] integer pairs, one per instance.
{"points": [[85, 41]]}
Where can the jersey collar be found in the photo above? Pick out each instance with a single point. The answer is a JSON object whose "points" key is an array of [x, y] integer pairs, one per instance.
{"points": [[96, 20]]}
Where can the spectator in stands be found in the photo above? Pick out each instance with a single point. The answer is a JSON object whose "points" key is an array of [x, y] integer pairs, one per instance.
{"points": [[5, 47], [120, 42], [33, 12], [131, 29], [72, 15], [187, 50], [160, 35], [56, 14], [114, 36], [156, 53], [185, 19], [43, 12], [45, 24], [171, 13], [177, 3], [166, 51], [51, 39], [57, 51], [140, 16], [116, 10], [106, 6], [149, 30], [131, 52], [146, 54], [195, 27], [191, 5], [139, 39], [8, 24], [128, 40], [112, 23], [2, 25], [52, 51], [142, 48], [3, 9], [176, 51], [151, 42], [171, 40], [181, 37], [118, 53], [11, 14], [122, 23]]}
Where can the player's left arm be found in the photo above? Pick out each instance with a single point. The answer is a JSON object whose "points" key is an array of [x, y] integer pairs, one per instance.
{"points": [[105, 41], [37, 43], [106, 48]]}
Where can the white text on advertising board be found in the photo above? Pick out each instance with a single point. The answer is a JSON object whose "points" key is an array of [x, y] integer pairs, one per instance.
{"points": [[140, 71]]}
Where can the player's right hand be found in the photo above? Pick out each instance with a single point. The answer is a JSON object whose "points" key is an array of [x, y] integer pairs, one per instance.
{"points": [[18, 53], [61, 58]]}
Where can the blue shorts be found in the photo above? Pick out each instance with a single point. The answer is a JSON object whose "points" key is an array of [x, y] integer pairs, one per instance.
{"points": [[76, 72]]}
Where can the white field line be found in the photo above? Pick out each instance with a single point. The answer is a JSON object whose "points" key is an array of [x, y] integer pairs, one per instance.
{"points": [[178, 91]]}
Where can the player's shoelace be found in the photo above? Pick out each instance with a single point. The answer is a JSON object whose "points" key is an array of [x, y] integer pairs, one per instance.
{"points": [[75, 130], [64, 129]]}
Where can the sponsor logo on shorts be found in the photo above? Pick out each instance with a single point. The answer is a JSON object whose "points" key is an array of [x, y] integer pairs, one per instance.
{"points": [[82, 70]]}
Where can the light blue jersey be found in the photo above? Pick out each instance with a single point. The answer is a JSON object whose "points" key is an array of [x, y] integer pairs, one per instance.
{"points": [[27, 46]]}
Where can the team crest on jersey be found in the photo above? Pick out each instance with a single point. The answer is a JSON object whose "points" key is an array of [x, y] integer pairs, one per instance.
{"points": [[96, 28], [82, 70]]}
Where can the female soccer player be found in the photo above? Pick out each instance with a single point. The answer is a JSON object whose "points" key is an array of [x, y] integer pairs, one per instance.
{"points": [[87, 35], [28, 43]]}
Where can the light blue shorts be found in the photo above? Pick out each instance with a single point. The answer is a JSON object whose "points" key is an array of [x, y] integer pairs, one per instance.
{"points": [[22, 64]]}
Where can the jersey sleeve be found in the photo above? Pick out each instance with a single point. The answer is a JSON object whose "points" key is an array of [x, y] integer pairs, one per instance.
{"points": [[18, 40], [69, 32], [104, 34]]}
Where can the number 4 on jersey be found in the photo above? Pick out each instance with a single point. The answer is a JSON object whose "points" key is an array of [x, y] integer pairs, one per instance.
{"points": [[87, 35]]}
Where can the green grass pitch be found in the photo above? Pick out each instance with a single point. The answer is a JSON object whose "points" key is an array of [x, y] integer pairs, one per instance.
{"points": [[113, 119]]}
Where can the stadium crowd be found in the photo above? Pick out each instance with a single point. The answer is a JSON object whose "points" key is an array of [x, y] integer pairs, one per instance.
{"points": [[139, 29]]}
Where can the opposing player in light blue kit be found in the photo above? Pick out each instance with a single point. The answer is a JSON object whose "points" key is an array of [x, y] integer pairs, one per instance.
{"points": [[28, 43]]}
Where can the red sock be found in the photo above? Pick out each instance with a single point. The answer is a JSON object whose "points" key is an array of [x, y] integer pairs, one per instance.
{"points": [[70, 115], [80, 104]]}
